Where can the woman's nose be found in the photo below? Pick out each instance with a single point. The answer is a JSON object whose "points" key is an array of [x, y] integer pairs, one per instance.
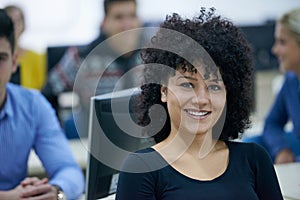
{"points": [[201, 96]]}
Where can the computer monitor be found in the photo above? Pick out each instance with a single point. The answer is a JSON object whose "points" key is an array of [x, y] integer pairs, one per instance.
{"points": [[109, 142], [261, 38]]}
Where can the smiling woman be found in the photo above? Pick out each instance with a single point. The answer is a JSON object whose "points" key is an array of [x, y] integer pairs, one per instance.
{"points": [[283, 145], [193, 101], [199, 70]]}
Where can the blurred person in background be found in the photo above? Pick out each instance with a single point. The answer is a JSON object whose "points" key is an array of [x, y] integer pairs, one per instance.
{"points": [[27, 121], [282, 144], [31, 72], [285, 146], [120, 16]]}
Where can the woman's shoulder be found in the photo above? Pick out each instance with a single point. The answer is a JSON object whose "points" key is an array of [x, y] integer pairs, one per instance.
{"points": [[144, 160], [291, 78], [145, 150], [243, 145], [291, 75], [248, 149]]}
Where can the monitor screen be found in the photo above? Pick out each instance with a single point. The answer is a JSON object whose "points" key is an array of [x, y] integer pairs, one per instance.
{"points": [[110, 141], [261, 39]]}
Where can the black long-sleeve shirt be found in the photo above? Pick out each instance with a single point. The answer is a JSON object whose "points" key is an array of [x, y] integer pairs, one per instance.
{"points": [[249, 175]]}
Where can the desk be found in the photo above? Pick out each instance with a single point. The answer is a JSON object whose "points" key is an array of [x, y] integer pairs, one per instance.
{"points": [[289, 180], [78, 148], [110, 197]]}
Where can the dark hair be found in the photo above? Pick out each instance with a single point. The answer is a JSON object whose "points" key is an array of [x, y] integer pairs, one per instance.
{"points": [[229, 50], [108, 3], [7, 29]]}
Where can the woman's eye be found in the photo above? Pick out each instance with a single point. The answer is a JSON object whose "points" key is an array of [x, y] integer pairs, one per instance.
{"points": [[281, 41], [187, 85], [214, 87]]}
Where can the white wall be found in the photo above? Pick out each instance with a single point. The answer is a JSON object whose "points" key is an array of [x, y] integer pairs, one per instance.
{"points": [[64, 22]]}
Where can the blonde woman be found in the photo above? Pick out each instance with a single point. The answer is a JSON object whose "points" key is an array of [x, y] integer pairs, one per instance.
{"points": [[285, 147]]}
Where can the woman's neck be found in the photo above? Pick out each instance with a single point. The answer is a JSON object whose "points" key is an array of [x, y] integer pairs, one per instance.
{"points": [[177, 144]]}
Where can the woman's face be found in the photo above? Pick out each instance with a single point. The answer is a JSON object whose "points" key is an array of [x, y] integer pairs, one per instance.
{"points": [[194, 104], [287, 49]]}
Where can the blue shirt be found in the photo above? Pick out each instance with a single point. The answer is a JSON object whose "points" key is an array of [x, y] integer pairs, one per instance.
{"points": [[27, 121], [286, 107]]}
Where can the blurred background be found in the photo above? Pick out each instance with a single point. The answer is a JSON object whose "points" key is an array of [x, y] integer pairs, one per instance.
{"points": [[60, 23], [75, 22]]}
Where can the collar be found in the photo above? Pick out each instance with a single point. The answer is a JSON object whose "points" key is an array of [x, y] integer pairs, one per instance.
{"points": [[7, 108]]}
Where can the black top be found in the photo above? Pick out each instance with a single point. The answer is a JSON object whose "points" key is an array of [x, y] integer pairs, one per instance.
{"points": [[249, 175]]}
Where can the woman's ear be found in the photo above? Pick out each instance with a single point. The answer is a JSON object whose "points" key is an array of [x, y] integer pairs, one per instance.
{"points": [[164, 91]]}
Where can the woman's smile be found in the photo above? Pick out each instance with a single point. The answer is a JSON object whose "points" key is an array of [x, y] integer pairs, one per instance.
{"points": [[198, 114]]}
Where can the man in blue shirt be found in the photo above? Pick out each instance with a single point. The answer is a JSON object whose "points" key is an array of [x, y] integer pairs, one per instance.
{"points": [[27, 121]]}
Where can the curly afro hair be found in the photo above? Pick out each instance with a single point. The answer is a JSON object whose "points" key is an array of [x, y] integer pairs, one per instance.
{"points": [[229, 50]]}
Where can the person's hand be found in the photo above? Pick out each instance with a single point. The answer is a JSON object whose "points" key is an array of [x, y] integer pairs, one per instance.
{"points": [[13, 194], [33, 181], [38, 189], [284, 156]]}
